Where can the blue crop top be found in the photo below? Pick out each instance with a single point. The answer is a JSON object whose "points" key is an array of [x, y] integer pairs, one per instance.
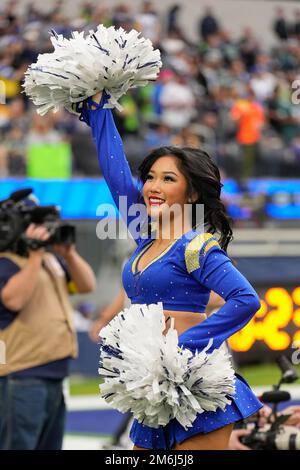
{"points": [[185, 273], [167, 278]]}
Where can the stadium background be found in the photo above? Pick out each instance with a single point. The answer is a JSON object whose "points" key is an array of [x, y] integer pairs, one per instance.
{"points": [[55, 156]]}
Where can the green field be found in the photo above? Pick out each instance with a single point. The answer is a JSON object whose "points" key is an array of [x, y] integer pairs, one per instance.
{"points": [[84, 386], [262, 374]]}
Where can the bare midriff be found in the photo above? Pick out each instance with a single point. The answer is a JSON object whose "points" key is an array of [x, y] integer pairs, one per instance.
{"points": [[183, 320]]}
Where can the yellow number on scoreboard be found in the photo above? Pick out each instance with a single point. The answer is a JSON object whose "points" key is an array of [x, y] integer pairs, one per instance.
{"points": [[276, 312], [296, 319]]}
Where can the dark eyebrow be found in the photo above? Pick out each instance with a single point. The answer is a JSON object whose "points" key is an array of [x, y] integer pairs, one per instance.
{"points": [[165, 172]]}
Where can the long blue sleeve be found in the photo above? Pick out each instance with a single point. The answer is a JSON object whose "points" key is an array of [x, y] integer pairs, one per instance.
{"points": [[218, 274], [113, 162]]}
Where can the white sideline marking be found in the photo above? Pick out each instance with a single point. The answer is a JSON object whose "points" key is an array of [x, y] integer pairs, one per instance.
{"points": [[82, 442], [293, 389], [86, 402]]}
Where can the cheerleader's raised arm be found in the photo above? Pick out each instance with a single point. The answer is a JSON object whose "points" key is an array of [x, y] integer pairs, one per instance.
{"points": [[106, 59], [112, 159]]}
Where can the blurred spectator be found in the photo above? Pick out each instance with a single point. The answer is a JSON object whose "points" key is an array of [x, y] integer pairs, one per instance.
{"points": [[249, 48], [187, 137], [213, 71], [208, 133], [13, 126], [148, 22], [172, 19], [250, 118], [262, 82], [13, 152], [280, 25], [208, 24], [280, 113], [296, 27], [177, 102], [229, 47], [3, 162], [239, 77], [122, 17], [289, 56], [99, 14], [9, 76], [158, 134], [86, 11]]}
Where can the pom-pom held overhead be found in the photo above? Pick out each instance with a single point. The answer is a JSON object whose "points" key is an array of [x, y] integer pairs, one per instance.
{"points": [[145, 371], [109, 59]]}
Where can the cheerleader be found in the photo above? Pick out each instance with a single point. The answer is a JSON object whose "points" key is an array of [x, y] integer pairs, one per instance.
{"points": [[181, 389]]}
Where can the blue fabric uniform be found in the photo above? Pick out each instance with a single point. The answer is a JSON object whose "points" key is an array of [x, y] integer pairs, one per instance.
{"points": [[181, 278]]}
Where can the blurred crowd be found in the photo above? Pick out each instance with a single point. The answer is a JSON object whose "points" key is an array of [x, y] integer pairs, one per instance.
{"points": [[230, 95]]}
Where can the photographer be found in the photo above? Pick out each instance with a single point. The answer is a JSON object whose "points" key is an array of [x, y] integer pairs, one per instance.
{"points": [[36, 326], [293, 420]]}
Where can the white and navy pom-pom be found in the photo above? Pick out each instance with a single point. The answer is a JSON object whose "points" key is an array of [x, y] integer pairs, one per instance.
{"points": [[108, 59], [145, 372]]}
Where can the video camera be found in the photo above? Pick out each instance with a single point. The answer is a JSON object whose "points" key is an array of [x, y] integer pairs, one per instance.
{"points": [[16, 215], [275, 435]]}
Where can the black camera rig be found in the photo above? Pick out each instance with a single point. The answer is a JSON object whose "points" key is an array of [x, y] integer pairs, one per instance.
{"points": [[275, 434], [16, 215]]}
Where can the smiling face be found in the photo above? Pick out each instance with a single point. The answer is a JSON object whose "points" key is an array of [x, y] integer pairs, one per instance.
{"points": [[165, 185]]}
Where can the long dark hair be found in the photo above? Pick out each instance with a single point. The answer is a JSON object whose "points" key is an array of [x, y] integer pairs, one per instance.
{"points": [[203, 178]]}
